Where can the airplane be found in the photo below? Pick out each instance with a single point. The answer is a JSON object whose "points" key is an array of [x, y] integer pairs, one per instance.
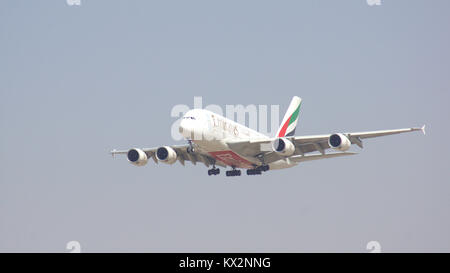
{"points": [[217, 141]]}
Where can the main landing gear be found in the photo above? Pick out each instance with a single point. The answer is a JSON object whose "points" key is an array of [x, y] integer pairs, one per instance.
{"points": [[233, 172], [253, 172], [214, 171], [258, 170]]}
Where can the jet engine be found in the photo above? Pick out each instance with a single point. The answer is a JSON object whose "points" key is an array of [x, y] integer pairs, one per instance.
{"points": [[283, 146], [137, 157], [339, 142], [166, 155]]}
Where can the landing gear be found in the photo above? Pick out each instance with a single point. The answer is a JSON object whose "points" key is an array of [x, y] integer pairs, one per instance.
{"points": [[263, 168], [233, 172], [214, 171], [190, 149], [253, 171], [258, 170]]}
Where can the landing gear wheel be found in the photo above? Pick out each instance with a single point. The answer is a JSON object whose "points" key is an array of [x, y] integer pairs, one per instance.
{"points": [[214, 171], [263, 168], [253, 171], [233, 173], [190, 149]]}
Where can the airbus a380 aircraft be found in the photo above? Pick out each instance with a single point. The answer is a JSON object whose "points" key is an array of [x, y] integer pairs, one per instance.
{"points": [[217, 141]]}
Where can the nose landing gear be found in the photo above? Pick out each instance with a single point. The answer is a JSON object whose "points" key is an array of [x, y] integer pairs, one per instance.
{"points": [[190, 149]]}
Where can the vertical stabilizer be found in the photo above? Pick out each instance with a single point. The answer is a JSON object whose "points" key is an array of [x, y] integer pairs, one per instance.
{"points": [[287, 127]]}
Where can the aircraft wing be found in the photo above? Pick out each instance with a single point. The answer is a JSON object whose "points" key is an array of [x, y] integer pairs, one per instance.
{"points": [[182, 155], [305, 144]]}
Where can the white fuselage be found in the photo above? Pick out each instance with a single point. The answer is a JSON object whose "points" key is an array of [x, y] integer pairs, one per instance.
{"points": [[211, 133]]}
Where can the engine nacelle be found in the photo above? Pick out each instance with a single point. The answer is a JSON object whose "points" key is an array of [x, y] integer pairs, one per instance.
{"points": [[166, 155], [339, 142], [283, 146], [137, 157]]}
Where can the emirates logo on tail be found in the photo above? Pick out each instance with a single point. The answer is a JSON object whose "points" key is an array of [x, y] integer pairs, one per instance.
{"points": [[290, 119]]}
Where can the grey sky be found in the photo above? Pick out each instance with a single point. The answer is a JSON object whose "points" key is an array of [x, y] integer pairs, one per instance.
{"points": [[77, 81]]}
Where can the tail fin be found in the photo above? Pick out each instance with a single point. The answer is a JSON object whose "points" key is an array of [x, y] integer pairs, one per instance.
{"points": [[290, 119]]}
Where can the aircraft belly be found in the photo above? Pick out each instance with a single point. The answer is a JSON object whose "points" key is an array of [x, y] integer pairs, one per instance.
{"points": [[221, 152], [281, 164]]}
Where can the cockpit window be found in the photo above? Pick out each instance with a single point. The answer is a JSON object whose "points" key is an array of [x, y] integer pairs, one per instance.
{"points": [[189, 118]]}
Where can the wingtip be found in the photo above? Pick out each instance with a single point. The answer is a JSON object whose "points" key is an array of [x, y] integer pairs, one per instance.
{"points": [[419, 129]]}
